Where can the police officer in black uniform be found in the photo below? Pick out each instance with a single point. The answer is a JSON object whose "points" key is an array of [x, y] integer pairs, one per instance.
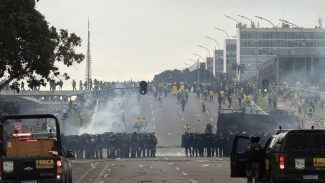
{"points": [[134, 144], [186, 143], [255, 156]]}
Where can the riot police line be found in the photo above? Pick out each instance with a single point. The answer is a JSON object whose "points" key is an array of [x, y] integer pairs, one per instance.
{"points": [[206, 144], [111, 145]]}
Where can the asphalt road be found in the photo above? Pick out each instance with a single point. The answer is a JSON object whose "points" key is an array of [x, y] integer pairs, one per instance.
{"points": [[160, 169], [167, 120]]}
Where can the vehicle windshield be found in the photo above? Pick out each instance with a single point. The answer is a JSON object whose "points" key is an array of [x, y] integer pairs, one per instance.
{"points": [[29, 137], [318, 142], [306, 142], [299, 142]]}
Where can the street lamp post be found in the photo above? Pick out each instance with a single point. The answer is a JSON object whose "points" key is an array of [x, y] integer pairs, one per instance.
{"points": [[285, 21], [252, 22], [206, 62], [214, 63], [199, 65], [276, 33], [237, 22], [266, 20], [223, 31], [205, 49], [214, 41]]}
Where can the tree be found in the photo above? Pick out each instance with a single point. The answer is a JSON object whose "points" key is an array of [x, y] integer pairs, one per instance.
{"points": [[29, 48], [169, 76]]}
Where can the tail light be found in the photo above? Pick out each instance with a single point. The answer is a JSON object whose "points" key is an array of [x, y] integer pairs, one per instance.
{"points": [[58, 169], [282, 163]]}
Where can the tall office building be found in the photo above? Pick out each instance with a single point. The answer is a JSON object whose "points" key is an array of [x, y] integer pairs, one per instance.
{"points": [[218, 57], [229, 57], [298, 52]]}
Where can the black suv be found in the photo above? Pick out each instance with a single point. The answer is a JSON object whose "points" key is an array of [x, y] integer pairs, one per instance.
{"points": [[290, 156]]}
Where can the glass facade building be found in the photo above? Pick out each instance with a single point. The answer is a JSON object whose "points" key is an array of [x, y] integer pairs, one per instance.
{"points": [[209, 62], [258, 45], [230, 55], [218, 57]]}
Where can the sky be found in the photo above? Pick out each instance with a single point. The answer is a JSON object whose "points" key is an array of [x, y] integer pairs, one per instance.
{"points": [[137, 39]]}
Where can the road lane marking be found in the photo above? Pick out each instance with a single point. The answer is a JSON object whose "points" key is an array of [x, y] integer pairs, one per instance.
{"points": [[154, 127], [102, 173], [177, 168], [92, 166], [184, 173], [179, 112], [208, 112], [204, 165], [211, 119], [182, 119], [151, 112]]}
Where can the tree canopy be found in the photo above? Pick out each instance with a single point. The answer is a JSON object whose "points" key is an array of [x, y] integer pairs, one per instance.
{"points": [[30, 47]]}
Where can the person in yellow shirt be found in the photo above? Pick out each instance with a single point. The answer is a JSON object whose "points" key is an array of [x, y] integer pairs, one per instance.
{"points": [[137, 125], [174, 90], [211, 94]]}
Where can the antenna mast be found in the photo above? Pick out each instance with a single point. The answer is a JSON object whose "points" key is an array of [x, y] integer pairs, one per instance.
{"points": [[88, 62]]}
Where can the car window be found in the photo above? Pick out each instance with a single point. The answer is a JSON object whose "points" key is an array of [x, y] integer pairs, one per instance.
{"points": [[242, 144], [277, 141], [298, 142], [318, 142]]}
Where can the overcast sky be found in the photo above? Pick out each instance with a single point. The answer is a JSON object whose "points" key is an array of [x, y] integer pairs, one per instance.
{"points": [[140, 38]]}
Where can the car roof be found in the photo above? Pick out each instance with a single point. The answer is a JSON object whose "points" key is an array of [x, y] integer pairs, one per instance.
{"points": [[300, 131]]}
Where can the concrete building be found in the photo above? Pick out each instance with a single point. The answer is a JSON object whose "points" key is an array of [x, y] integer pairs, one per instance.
{"points": [[218, 57], [296, 52], [229, 57], [209, 65]]}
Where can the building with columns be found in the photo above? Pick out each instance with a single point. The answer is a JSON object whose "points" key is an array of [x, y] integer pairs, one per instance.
{"points": [[297, 53]]}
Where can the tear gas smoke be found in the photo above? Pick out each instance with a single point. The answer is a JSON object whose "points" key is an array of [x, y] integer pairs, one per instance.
{"points": [[108, 117]]}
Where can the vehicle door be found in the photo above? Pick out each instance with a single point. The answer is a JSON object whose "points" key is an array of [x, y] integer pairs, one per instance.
{"points": [[306, 155], [238, 158]]}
